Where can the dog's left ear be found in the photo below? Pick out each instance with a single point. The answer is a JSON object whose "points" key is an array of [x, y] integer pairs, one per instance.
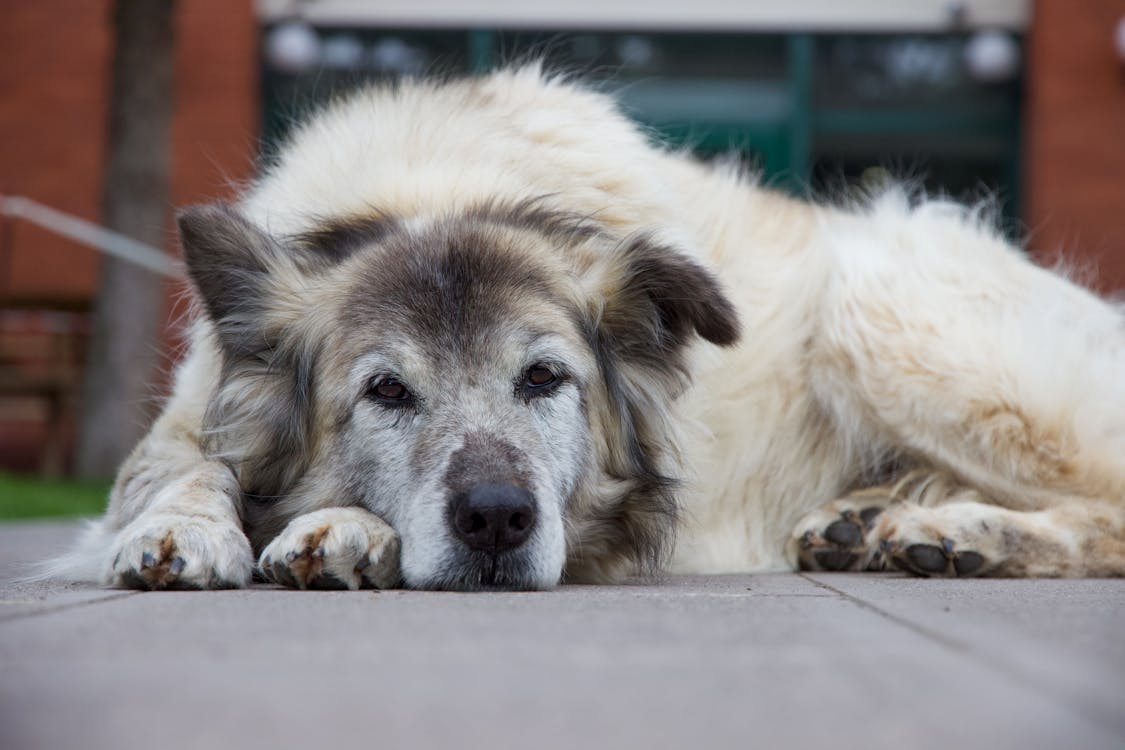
{"points": [[654, 299], [645, 304]]}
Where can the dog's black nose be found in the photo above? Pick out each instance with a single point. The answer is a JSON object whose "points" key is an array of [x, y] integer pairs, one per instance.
{"points": [[493, 517]]}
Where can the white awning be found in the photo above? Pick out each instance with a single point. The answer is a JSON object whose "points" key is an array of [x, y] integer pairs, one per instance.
{"points": [[661, 15]]}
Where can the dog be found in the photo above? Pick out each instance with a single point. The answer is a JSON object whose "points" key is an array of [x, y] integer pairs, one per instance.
{"points": [[485, 334]]}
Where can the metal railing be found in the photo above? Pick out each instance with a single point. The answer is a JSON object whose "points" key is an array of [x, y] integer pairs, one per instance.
{"points": [[91, 234]]}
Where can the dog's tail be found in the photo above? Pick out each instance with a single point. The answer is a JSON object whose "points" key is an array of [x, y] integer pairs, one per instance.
{"points": [[85, 561]]}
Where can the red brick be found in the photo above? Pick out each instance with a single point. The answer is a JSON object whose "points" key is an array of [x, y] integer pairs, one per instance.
{"points": [[53, 75], [54, 79], [1075, 156]]}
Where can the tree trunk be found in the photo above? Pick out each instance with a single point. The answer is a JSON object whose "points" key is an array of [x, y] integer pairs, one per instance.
{"points": [[117, 403]]}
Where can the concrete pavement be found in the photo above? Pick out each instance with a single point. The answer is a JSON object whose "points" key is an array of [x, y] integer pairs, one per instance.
{"points": [[796, 661]]}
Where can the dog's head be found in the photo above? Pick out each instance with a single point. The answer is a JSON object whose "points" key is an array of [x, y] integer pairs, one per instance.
{"points": [[494, 384]]}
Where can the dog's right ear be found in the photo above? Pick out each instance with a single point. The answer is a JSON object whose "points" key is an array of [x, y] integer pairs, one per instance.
{"points": [[259, 417], [230, 262]]}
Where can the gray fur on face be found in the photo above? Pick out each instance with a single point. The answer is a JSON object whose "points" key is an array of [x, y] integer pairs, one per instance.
{"points": [[457, 311]]}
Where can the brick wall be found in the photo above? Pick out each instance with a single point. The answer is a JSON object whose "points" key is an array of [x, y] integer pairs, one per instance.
{"points": [[54, 79], [1075, 156]]}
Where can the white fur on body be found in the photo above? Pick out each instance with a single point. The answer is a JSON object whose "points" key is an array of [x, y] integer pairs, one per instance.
{"points": [[889, 329]]}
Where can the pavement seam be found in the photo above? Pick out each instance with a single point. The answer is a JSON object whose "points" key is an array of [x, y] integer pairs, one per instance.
{"points": [[999, 665], [50, 610], [922, 630]]}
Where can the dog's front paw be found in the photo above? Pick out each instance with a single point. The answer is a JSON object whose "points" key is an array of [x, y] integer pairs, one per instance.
{"points": [[333, 548], [173, 551]]}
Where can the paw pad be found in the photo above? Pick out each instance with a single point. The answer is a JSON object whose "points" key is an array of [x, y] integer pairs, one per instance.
{"points": [[841, 545], [932, 559], [927, 558], [844, 533]]}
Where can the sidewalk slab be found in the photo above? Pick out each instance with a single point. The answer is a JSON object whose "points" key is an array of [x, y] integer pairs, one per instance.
{"points": [[24, 543], [1065, 637], [724, 661]]}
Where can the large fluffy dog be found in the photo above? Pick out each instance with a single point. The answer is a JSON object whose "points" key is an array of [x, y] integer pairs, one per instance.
{"points": [[484, 334]]}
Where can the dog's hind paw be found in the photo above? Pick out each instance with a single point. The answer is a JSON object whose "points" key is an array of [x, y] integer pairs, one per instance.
{"points": [[943, 559], [333, 548], [173, 551], [945, 542], [838, 536]]}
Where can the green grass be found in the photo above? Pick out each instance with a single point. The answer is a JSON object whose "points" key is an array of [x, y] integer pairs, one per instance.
{"points": [[30, 497]]}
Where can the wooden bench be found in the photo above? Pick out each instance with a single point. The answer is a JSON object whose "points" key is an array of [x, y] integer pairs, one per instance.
{"points": [[42, 352]]}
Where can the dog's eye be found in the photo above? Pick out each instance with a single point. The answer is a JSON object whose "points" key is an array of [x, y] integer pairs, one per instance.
{"points": [[539, 376], [390, 391], [538, 380]]}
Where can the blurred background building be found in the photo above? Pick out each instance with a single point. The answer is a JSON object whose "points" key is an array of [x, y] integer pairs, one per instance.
{"points": [[1021, 100]]}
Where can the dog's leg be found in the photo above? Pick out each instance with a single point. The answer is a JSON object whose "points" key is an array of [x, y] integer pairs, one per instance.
{"points": [[971, 538], [931, 525], [177, 518], [941, 342], [172, 520], [333, 548]]}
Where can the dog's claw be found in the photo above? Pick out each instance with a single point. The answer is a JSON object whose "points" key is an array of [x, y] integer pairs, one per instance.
{"points": [[148, 560]]}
